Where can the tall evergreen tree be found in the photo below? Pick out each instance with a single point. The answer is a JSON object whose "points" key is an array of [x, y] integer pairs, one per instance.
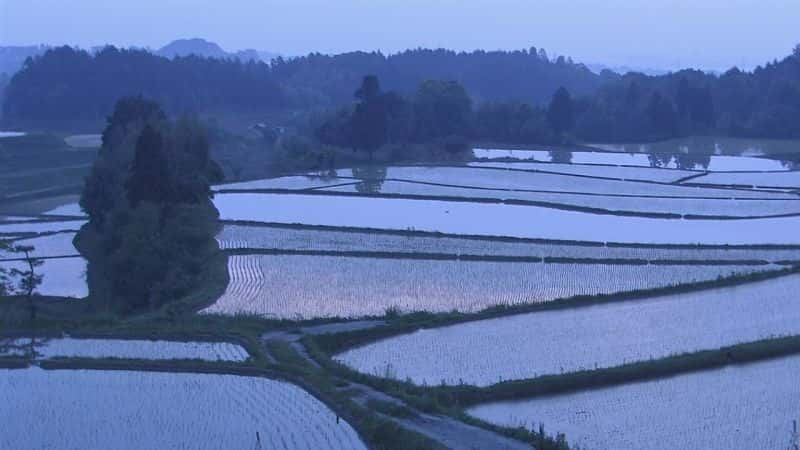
{"points": [[560, 113], [149, 179]]}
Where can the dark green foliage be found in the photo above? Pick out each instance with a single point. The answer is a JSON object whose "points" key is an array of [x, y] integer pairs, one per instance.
{"points": [[513, 123], [442, 109], [152, 223], [560, 113], [67, 84], [368, 124], [440, 113], [663, 120], [149, 174]]}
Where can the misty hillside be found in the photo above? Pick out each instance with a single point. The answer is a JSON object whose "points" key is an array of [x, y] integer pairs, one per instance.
{"points": [[12, 58], [68, 83], [207, 49]]}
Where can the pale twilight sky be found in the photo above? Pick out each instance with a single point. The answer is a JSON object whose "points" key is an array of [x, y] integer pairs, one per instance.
{"points": [[711, 34]]}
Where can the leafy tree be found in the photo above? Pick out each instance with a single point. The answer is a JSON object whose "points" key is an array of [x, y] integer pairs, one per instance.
{"points": [[148, 243], [23, 282], [370, 118], [372, 178], [560, 113], [663, 119], [442, 108]]}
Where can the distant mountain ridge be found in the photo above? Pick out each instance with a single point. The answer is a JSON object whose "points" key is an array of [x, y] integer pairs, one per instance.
{"points": [[208, 49]]}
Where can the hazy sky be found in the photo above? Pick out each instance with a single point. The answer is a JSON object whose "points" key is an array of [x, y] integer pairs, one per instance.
{"points": [[641, 33]]}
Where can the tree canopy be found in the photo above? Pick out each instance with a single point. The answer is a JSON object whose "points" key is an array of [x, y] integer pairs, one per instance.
{"points": [[148, 197]]}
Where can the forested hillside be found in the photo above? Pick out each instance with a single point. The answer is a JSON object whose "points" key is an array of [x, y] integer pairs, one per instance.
{"points": [[70, 83], [507, 90]]}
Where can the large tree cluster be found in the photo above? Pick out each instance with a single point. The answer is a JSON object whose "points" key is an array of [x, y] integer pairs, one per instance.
{"points": [[152, 223]]}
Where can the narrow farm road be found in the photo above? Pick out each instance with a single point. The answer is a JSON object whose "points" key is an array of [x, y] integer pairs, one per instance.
{"points": [[447, 431]]}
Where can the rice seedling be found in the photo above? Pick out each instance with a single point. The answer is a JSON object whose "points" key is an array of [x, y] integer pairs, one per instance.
{"points": [[308, 287], [133, 349], [289, 238], [570, 340], [734, 408], [64, 409]]}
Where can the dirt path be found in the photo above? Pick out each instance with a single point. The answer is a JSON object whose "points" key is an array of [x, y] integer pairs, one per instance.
{"points": [[447, 431]]}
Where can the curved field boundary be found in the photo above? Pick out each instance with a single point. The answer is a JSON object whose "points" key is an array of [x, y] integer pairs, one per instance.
{"points": [[595, 337], [530, 170], [536, 161], [751, 187], [565, 174], [335, 343], [544, 204], [496, 258], [489, 238], [743, 353]]}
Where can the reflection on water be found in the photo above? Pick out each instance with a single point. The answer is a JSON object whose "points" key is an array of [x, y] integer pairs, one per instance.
{"points": [[698, 153], [709, 146], [372, 178], [560, 156], [7, 134], [327, 176]]}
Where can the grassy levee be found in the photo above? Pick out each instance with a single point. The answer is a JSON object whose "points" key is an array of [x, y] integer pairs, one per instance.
{"points": [[640, 371], [433, 400], [407, 323], [454, 399], [13, 363]]}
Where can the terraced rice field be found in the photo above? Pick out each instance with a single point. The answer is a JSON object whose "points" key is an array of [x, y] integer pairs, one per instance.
{"points": [[490, 178], [560, 341], [788, 180], [500, 220], [281, 238], [589, 170], [744, 207], [40, 227], [46, 246], [132, 349], [307, 287], [718, 163], [69, 209], [162, 411], [734, 408], [63, 277], [292, 182]]}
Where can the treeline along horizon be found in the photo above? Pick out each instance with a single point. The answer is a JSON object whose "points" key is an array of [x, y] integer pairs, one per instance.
{"points": [[71, 84]]}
